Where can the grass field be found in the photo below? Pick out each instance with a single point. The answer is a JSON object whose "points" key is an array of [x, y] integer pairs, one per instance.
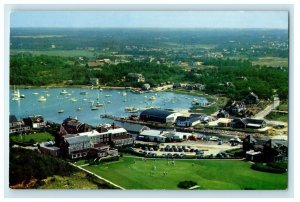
{"points": [[36, 137], [277, 116], [271, 61], [283, 106], [135, 173], [62, 53]]}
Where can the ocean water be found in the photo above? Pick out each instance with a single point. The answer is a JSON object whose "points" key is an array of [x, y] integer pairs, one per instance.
{"points": [[114, 103]]}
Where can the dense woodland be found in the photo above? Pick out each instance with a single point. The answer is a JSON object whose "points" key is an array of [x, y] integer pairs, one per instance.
{"points": [[171, 48], [234, 78]]}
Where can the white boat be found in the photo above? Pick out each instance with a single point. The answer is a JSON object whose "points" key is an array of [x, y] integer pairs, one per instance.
{"points": [[73, 99], [124, 93], [47, 95], [79, 109], [42, 99], [100, 89], [60, 111], [107, 95], [131, 109], [108, 102], [35, 93], [98, 104], [152, 98], [63, 92], [16, 95]]}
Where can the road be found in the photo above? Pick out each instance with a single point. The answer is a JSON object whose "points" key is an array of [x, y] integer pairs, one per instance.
{"points": [[268, 109]]}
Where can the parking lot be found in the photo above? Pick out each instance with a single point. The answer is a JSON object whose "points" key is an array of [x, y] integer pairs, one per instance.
{"points": [[186, 148]]}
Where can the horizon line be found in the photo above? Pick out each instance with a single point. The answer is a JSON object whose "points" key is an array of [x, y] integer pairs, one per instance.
{"points": [[159, 27]]}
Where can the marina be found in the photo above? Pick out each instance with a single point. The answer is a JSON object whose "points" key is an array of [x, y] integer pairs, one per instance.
{"points": [[59, 103]]}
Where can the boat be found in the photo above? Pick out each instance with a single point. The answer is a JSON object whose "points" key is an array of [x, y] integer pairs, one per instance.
{"points": [[22, 96], [83, 93], [42, 99], [124, 93], [108, 102], [60, 111], [78, 109], [100, 89], [131, 109], [95, 106], [152, 98], [73, 99], [47, 95], [214, 138], [16, 95], [98, 104], [35, 93], [63, 92], [107, 95]]}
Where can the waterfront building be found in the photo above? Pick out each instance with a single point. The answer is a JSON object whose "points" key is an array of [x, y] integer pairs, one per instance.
{"points": [[158, 115]]}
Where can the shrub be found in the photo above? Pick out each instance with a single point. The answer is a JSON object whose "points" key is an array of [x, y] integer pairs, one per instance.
{"points": [[267, 168], [186, 184]]}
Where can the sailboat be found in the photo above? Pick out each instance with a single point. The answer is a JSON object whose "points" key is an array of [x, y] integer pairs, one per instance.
{"points": [[42, 99], [94, 107], [16, 95]]}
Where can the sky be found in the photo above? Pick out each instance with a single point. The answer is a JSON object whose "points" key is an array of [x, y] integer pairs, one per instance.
{"points": [[151, 19]]}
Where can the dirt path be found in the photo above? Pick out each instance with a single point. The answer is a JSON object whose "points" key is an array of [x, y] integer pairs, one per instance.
{"points": [[99, 177]]}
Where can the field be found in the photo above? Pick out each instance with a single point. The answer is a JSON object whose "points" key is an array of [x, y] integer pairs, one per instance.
{"points": [[277, 116], [271, 61], [136, 173], [34, 137], [62, 53]]}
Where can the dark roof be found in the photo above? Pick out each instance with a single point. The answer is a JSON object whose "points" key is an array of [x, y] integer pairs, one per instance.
{"points": [[13, 119], [71, 122], [36, 119], [182, 118], [156, 113]]}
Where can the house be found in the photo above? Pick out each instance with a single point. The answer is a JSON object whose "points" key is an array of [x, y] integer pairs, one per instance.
{"points": [[178, 136], [135, 77], [183, 121], [153, 135], [237, 107], [146, 86], [252, 98], [254, 156], [222, 114], [49, 149], [73, 126], [17, 126], [133, 128], [94, 81], [35, 122], [248, 123], [78, 146], [77, 139], [158, 115], [266, 150], [203, 117]]}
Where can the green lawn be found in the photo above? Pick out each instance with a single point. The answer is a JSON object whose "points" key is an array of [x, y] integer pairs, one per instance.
{"points": [[271, 61], [135, 173], [62, 53], [278, 116], [36, 137]]}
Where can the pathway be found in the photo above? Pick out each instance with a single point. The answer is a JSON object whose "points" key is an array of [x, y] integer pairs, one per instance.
{"points": [[99, 177]]}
